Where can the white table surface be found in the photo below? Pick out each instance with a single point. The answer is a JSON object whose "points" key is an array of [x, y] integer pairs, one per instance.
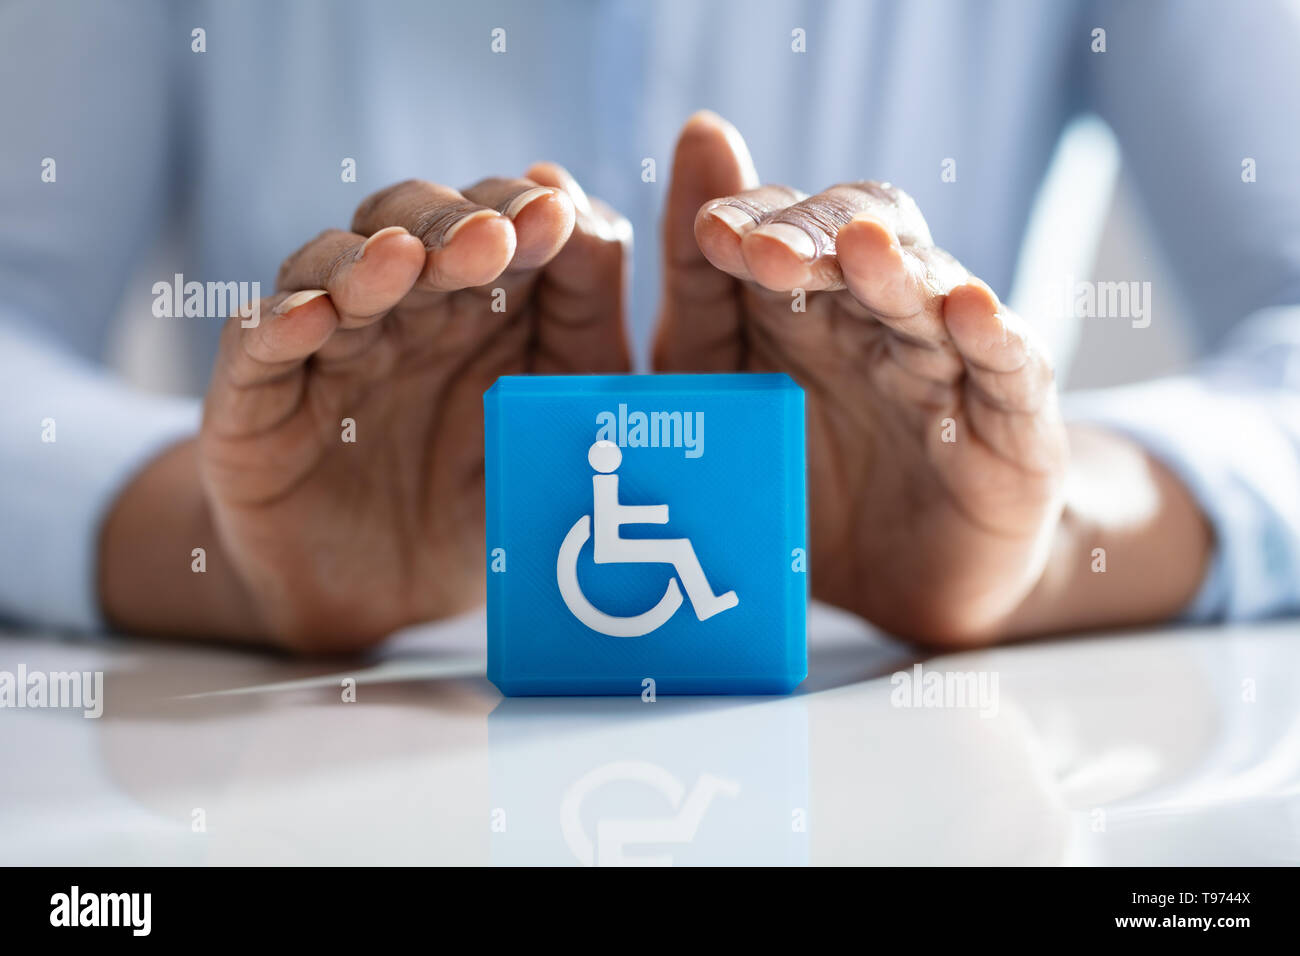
{"points": [[1168, 747]]}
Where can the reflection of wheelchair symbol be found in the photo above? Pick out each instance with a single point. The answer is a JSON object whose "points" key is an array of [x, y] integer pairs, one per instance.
{"points": [[611, 548], [614, 836]]}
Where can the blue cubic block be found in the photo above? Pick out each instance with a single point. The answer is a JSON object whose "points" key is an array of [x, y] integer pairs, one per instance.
{"points": [[646, 527]]}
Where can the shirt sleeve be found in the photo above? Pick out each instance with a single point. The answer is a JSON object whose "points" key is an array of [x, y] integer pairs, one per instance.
{"points": [[84, 185], [70, 437], [1203, 101], [1231, 432]]}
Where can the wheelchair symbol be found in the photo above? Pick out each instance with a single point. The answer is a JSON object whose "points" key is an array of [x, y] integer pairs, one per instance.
{"points": [[611, 548]]}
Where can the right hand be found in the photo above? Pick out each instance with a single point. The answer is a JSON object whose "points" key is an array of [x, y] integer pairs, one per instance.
{"points": [[392, 325]]}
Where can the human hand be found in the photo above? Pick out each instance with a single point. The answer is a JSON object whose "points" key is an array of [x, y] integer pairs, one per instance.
{"points": [[399, 325], [936, 451]]}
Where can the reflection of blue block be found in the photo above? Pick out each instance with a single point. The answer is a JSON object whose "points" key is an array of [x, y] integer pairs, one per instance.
{"points": [[725, 453], [610, 782]]}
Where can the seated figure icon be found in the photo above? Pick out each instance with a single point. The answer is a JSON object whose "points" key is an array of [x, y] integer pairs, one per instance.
{"points": [[612, 500], [610, 515]]}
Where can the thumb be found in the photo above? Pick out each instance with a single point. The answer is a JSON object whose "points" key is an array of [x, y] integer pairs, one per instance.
{"points": [[711, 161], [699, 318]]}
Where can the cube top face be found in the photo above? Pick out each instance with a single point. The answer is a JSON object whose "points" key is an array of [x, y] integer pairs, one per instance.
{"points": [[646, 527]]}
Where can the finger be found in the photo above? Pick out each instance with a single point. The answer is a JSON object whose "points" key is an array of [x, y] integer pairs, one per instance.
{"points": [[555, 175], [699, 326], [581, 322], [901, 286], [795, 247], [711, 161], [592, 216], [1003, 356], [721, 225], [467, 244], [1009, 377], [365, 277], [260, 434], [543, 217], [257, 379]]}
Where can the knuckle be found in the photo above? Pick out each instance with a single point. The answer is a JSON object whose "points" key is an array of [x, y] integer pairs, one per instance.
{"points": [[230, 345], [432, 222], [345, 253], [774, 196], [491, 182], [366, 208], [752, 208], [369, 206], [506, 187], [285, 270], [883, 191], [906, 214], [414, 184], [330, 238], [823, 214]]}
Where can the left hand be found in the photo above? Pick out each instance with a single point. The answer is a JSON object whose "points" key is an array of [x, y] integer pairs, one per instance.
{"points": [[936, 451]]}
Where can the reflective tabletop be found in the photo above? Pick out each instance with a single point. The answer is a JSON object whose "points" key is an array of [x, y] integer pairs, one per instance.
{"points": [[1175, 746]]}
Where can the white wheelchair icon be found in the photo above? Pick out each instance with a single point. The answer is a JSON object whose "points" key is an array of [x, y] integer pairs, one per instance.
{"points": [[611, 548]]}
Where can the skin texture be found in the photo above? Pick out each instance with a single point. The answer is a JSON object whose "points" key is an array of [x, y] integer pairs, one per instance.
{"points": [[316, 544], [898, 348]]}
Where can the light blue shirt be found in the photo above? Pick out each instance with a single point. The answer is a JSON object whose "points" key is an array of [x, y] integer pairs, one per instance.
{"points": [[234, 156]]}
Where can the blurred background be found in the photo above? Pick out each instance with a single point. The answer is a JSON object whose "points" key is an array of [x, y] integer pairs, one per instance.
{"points": [[1087, 223]]}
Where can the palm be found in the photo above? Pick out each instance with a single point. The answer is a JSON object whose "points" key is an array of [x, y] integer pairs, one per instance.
{"points": [[886, 493]]}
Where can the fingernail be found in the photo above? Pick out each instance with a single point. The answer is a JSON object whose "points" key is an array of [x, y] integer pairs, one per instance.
{"points": [[792, 237], [297, 299], [706, 117], [386, 231], [572, 188], [737, 220], [878, 223], [525, 198], [456, 226]]}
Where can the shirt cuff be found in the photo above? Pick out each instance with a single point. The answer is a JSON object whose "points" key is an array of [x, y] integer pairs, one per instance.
{"points": [[70, 440], [1231, 434]]}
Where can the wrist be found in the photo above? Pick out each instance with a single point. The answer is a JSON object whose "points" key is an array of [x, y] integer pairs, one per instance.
{"points": [[1131, 546], [162, 567]]}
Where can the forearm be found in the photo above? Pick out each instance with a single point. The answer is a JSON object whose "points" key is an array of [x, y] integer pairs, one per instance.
{"points": [[1131, 547], [149, 581]]}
